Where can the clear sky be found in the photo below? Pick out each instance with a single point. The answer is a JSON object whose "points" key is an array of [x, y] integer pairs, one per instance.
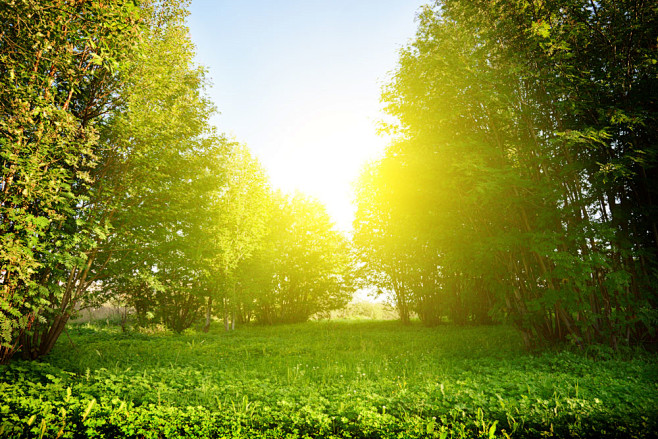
{"points": [[299, 82]]}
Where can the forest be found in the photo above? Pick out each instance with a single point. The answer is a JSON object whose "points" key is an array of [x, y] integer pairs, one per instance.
{"points": [[511, 223]]}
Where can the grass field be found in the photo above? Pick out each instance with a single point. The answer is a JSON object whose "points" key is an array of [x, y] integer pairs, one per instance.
{"points": [[326, 379]]}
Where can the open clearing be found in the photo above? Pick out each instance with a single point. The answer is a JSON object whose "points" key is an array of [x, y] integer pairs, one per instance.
{"points": [[326, 379]]}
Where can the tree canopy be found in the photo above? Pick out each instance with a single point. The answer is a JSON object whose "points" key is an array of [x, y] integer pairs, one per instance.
{"points": [[115, 185], [523, 178]]}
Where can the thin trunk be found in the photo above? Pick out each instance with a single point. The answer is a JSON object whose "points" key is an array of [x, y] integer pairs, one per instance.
{"points": [[206, 327], [226, 323]]}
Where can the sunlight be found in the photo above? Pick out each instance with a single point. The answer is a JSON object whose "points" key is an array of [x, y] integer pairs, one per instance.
{"points": [[323, 154], [181, 260]]}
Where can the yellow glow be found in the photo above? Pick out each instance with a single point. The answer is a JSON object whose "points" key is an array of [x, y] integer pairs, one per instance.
{"points": [[323, 154]]}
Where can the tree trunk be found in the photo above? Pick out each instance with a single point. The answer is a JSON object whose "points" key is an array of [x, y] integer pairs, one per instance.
{"points": [[226, 327], [206, 327]]}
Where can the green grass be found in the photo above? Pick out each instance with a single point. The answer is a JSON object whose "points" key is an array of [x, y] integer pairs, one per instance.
{"points": [[326, 379]]}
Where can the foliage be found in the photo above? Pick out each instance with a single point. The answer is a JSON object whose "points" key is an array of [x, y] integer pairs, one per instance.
{"points": [[165, 164], [398, 247], [524, 170], [324, 379], [60, 67], [112, 201], [303, 265], [236, 226]]}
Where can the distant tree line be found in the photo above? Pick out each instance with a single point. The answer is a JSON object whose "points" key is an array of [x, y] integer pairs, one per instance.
{"points": [[523, 180], [115, 185]]}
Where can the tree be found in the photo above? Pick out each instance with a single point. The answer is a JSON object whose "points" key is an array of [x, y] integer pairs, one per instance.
{"points": [[302, 267], [120, 163], [236, 224], [164, 165], [524, 127], [60, 65]]}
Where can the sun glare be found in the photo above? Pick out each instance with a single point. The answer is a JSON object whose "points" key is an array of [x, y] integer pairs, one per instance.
{"points": [[323, 154]]}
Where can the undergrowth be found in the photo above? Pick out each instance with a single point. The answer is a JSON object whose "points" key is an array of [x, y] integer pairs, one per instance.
{"points": [[328, 380]]}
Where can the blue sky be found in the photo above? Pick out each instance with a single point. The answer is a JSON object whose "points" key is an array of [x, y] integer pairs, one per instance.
{"points": [[299, 82]]}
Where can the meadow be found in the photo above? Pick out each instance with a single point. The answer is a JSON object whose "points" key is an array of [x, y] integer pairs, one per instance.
{"points": [[328, 379]]}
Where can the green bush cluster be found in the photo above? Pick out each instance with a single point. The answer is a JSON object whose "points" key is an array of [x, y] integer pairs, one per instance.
{"points": [[328, 380]]}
